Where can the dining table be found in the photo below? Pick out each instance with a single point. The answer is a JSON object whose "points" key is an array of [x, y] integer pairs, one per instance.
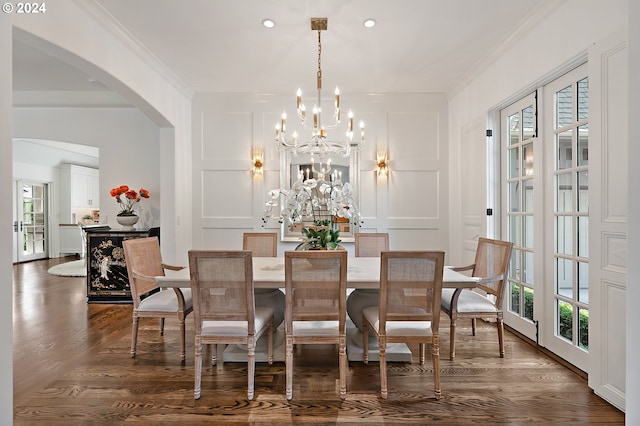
{"points": [[362, 273], [363, 281]]}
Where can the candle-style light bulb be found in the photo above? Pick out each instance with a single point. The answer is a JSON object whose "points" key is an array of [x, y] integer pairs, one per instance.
{"points": [[303, 111], [337, 98], [362, 130], [350, 121], [283, 122], [298, 98]]}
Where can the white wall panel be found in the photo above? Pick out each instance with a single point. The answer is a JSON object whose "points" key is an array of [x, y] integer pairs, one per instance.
{"points": [[614, 338], [216, 197], [414, 194], [369, 195], [226, 135], [412, 197], [417, 239], [414, 135], [614, 252], [608, 218], [222, 238]]}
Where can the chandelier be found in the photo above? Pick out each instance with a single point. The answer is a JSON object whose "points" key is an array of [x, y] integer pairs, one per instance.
{"points": [[319, 142]]}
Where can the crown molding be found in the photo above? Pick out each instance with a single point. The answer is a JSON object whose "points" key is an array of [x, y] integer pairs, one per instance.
{"points": [[114, 27], [537, 15]]}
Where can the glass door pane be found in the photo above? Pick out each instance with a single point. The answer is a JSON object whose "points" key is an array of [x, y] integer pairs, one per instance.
{"points": [[519, 122], [31, 226], [568, 227]]}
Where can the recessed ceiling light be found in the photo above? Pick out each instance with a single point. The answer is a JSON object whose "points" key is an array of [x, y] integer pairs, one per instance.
{"points": [[369, 23], [268, 23]]}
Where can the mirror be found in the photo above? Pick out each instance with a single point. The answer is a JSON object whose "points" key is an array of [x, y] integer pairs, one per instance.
{"points": [[342, 170]]}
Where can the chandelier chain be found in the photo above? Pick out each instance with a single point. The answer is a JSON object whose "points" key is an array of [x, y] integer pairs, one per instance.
{"points": [[319, 75]]}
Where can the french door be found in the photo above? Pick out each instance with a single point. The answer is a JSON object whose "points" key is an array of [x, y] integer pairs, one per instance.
{"points": [[545, 161], [30, 222], [566, 110], [521, 195]]}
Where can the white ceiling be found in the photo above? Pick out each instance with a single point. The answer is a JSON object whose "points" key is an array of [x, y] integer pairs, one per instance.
{"points": [[417, 46]]}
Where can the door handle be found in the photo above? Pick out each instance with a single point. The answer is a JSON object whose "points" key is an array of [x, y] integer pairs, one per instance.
{"points": [[15, 226]]}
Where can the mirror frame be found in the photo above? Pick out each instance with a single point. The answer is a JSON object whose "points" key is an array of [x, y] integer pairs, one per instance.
{"points": [[286, 158]]}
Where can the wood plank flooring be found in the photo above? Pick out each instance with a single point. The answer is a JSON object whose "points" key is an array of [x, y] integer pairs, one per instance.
{"points": [[72, 367]]}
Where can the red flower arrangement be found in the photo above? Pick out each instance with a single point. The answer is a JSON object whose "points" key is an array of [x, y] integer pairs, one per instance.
{"points": [[131, 197]]}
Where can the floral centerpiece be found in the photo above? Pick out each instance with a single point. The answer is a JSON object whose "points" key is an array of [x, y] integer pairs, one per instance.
{"points": [[128, 198], [317, 205]]}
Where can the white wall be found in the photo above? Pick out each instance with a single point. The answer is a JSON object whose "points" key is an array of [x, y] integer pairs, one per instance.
{"points": [[108, 54], [411, 203], [6, 270], [633, 271], [562, 37], [129, 153]]}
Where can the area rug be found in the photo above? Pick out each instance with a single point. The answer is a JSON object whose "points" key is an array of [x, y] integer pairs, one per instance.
{"points": [[75, 268]]}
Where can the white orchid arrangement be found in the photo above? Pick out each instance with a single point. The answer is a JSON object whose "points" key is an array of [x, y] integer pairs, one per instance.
{"points": [[313, 201]]}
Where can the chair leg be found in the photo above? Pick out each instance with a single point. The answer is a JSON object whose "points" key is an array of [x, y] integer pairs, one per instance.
{"points": [[473, 326], [134, 335], [452, 340], [435, 349], [270, 345], [162, 326], [382, 345], [251, 366], [422, 352], [198, 367], [289, 366], [365, 342], [183, 342], [500, 336], [214, 354], [343, 366]]}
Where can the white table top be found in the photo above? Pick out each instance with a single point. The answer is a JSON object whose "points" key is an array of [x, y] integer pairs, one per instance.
{"points": [[362, 273]]}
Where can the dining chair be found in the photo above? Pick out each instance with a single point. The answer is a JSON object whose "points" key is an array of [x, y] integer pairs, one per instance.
{"points": [[265, 244], [262, 244], [485, 301], [144, 263], [367, 244], [370, 244], [315, 310], [224, 307], [409, 308]]}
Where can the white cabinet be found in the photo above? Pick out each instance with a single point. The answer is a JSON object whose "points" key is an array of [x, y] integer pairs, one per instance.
{"points": [[79, 188], [84, 188]]}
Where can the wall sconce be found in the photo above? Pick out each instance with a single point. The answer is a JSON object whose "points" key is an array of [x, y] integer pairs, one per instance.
{"points": [[257, 157], [381, 159]]}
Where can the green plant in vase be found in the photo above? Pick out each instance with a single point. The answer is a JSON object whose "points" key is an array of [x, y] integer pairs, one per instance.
{"points": [[322, 237]]}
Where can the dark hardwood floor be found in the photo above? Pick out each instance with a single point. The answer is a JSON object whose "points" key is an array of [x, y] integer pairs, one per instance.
{"points": [[72, 366]]}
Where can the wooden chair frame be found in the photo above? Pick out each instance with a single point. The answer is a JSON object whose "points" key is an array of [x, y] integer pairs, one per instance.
{"points": [[261, 244], [491, 283], [144, 263], [221, 305], [310, 286], [420, 322], [369, 244]]}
